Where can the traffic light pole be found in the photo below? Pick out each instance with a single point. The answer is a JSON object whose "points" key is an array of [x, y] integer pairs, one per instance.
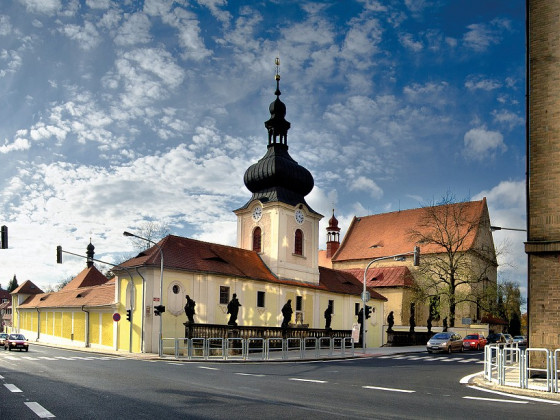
{"points": [[365, 294]]}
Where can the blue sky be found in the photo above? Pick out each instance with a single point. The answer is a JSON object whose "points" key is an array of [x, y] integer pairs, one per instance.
{"points": [[118, 112]]}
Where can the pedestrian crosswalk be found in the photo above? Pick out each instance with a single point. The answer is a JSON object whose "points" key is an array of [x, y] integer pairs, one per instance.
{"points": [[444, 359], [15, 357]]}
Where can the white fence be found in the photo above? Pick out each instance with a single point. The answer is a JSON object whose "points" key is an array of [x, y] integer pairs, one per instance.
{"points": [[258, 348], [507, 364]]}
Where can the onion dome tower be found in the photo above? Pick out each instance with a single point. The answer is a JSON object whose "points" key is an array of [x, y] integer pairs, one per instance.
{"points": [[276, 222], [333, 236], [278, 177]]}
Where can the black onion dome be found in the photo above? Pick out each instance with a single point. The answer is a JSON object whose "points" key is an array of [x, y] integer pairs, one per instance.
{"points": [[278, 177]]}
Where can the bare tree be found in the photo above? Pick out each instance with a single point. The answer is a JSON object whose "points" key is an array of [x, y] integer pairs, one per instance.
{"points": [[454, 269], [154, 231]]}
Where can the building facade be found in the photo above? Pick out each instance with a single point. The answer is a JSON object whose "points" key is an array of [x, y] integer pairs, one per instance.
{"points": [[543, 173]]}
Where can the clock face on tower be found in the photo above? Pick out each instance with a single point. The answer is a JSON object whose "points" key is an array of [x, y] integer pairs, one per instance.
{"points": [[299, 216], [257, 213]]}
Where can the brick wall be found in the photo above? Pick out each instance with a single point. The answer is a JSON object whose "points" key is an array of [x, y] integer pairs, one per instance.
{"points": [[543, 246]]}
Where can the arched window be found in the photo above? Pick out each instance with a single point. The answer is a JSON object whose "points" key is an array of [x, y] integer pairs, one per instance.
{"points": [[298, 247], [257, 239]]}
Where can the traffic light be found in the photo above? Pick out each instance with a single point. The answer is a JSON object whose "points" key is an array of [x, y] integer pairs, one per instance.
{"points": [[416, 258], [59, 254], [368, 311], [159, 309], [128, 315], [4, 238]]}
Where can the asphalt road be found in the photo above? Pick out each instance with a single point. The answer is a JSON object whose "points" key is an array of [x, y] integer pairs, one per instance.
{"points": [[48, 382]]}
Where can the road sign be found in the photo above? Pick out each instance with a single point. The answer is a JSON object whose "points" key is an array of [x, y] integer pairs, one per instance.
{"points": [[366, 296], [116, 317]]}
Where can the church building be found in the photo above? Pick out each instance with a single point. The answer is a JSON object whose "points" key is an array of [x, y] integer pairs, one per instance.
{"points": [[275, 263]]}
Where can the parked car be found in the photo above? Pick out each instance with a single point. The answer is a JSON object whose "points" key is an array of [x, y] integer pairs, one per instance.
{"points": [[494, 338], [446, 342], [509, 338], [16, 341], [474, 342], [520, 340], [3, 337]]}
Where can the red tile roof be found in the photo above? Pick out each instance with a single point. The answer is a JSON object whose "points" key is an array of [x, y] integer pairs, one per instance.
{"points": [[388, 234], [102, 295], [27, 288], [193, 255], [90, 276], [339, 281], [384, 276]]}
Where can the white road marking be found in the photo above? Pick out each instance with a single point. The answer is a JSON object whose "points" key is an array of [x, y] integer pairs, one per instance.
{"points": [[173, 363], [11, 358], [40, 410], [46, 358], [208, 368], [468, 360], [249, 374], [1, 377], [496, 400], [380, 388], [317, 381], [29, 358], [466, 379], [12, 388], [520, 397]]}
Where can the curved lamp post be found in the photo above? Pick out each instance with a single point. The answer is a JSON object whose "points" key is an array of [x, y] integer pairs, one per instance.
{"points": [[365, 294], [160, 336]]}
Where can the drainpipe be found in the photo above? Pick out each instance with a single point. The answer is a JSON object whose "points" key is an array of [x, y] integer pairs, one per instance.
{"points": [[38, 323], [142, 310], [87, 326]]}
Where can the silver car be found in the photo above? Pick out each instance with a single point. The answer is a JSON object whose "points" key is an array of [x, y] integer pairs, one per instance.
{"points": [[445, 342]]}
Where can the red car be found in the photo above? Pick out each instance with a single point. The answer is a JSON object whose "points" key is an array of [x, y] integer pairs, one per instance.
{"points": [[16, 341], [474, 342]]}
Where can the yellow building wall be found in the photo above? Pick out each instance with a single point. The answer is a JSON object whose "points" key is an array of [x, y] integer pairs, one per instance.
{"points": [[44, 318], [57, 324], [107, 329], [67, 325], [94, 327], [79, 326]]}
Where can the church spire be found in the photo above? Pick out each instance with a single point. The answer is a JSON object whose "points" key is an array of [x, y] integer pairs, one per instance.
{"points": [[277, 125], [278, 177]]}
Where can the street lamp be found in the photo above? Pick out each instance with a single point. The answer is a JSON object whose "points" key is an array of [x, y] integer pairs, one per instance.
{"points": [[160, 339], [365, 294], [495, 228]]}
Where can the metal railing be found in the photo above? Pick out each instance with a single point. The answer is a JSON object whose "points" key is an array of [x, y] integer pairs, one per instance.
{"points": [[258, 348], [532, 368]]}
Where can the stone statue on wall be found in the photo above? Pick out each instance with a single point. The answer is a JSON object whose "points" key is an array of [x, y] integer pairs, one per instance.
{"points": [[233, 310], [287, 312], [328, 316], [189, 309], [390, 321]]}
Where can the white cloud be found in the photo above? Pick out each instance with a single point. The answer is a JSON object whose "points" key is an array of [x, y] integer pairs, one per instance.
{"points": [[482, 144], [482, 83], [86, 36], [407, 41], [5, 25], [481, 36], [508, 118], [368, 185], [135, 30], [17, 145], [47, 7], [98, 4]]}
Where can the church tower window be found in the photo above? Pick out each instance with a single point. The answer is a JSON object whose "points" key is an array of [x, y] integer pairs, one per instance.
{"points": [[257, 242], [298, 246]]}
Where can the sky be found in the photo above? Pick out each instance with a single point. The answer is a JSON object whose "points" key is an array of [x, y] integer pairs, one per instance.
{"points": [[118, 113]]}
